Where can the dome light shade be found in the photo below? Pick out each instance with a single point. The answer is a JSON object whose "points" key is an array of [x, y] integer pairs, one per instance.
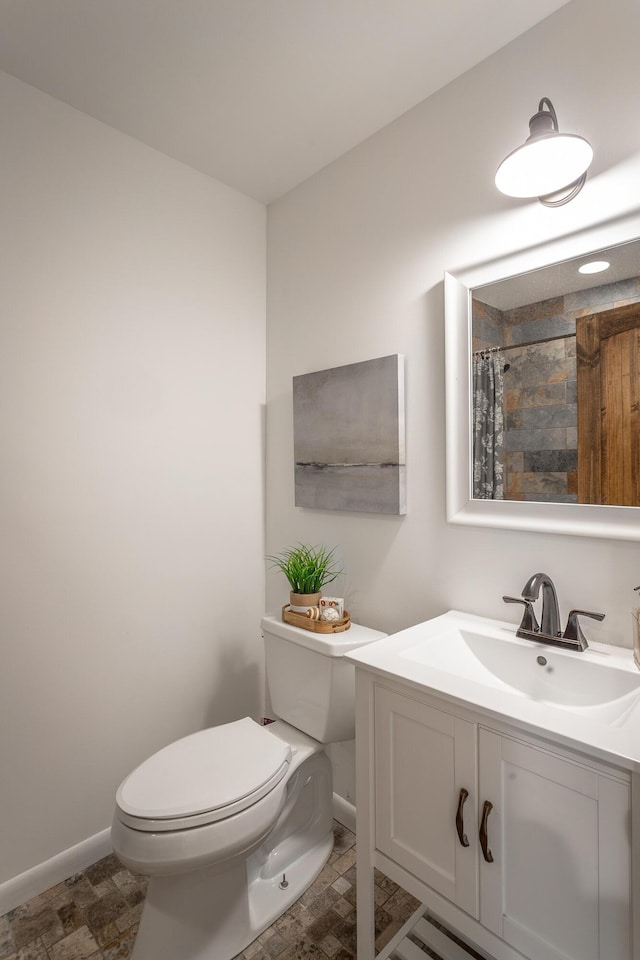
{"points": [[544, 166], [550, 165]]}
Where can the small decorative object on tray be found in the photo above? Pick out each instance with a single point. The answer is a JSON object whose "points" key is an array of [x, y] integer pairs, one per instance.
{"points": [[331, 608], [315, 625]]}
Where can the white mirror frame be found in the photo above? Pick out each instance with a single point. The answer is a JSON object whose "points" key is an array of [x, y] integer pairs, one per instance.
{"points": [[587, 520]]}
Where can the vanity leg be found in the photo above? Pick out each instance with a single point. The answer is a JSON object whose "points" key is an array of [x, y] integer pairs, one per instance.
{"points": [[365, 821], [364, 906]]}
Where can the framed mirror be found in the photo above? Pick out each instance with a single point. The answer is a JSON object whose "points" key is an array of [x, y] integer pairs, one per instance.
{"points": [[543, 387]]}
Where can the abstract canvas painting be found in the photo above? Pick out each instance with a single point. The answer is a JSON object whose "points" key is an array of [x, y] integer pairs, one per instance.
{"points": [[348, 434]]}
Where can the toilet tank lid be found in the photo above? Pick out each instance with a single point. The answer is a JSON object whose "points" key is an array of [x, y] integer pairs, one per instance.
{"points": [[205, 771], [328, 644]]}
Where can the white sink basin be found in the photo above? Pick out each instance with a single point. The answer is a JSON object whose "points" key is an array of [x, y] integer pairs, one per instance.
{"points": [[587, 683], [590, 698]]}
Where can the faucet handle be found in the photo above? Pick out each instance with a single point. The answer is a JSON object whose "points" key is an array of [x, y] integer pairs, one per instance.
{"points": [[574, 631], [529, 621]]}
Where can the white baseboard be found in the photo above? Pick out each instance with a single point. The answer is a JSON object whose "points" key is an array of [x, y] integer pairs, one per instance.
{"points": [[35, 881], [344, 812]]}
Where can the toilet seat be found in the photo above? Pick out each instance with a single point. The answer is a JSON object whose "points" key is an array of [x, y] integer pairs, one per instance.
{"points": [[205, 777]]}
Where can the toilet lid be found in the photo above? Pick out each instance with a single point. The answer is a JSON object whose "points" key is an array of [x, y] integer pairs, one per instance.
{"points": [[202, 775]]}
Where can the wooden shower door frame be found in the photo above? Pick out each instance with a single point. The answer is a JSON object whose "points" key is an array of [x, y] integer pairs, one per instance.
{"points": [[591, 331]]}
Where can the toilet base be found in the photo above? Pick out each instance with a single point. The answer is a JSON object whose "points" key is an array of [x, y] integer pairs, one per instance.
{"points": [[213, 914], [199, 918]]}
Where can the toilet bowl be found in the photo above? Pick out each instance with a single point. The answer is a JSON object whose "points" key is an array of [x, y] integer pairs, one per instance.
{"points": [[234, 823]]}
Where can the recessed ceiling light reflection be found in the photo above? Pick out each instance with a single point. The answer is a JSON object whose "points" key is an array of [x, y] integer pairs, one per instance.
{"points": [[595, 266]]}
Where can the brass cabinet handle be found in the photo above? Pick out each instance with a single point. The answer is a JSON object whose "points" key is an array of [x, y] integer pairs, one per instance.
{"points": [[484, 841], [464, 840]]}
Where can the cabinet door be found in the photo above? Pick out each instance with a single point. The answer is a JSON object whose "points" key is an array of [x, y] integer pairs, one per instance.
{"points": [[559, 884], [425, 760]]}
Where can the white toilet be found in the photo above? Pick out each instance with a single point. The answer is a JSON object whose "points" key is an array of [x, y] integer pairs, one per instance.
{"points": [[234, 823]]}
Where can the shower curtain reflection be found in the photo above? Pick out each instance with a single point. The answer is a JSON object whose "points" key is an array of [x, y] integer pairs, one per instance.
{"points": [[488, 425]]}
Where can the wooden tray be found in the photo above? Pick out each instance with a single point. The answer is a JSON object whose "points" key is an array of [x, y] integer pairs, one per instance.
{"points": [[316, 626]]}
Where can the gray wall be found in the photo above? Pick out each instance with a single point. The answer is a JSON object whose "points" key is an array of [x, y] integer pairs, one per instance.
{"points": [[132, 292], [356, 259]]}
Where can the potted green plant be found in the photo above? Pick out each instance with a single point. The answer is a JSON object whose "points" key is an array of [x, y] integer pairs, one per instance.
{"points": [[308, 569]]}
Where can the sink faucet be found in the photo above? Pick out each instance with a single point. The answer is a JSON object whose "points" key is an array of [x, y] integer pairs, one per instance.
{"points": [[548, 631], [550, 620]]}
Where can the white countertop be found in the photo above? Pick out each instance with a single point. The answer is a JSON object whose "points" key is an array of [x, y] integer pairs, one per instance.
{"points": [[588, 729]]}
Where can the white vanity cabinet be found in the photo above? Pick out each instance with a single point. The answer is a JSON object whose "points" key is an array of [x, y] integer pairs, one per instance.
{"points": [[559, 883], [522, 847], [425, 758]]}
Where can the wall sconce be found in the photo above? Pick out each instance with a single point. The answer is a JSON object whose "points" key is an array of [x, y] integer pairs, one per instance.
{"points": [[549, 165]]}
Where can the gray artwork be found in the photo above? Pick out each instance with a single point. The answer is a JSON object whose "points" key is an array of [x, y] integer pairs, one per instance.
{"points": [[348, 434]]}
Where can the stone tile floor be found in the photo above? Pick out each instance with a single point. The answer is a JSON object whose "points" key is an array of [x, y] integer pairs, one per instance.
{"points": [[94, 915]]}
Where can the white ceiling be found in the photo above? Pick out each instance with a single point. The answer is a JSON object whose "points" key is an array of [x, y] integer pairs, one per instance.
{"points": [[257, 93]]}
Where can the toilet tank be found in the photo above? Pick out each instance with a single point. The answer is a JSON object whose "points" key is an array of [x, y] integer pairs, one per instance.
{"points": [[311, 685]]}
